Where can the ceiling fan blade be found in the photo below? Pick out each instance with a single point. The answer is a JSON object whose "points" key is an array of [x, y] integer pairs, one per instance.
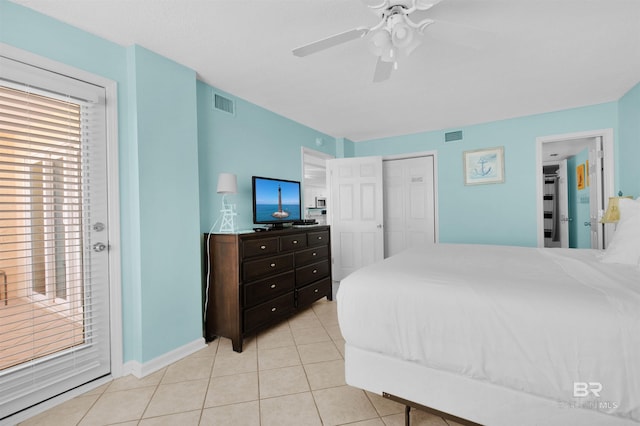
{"points": [[383, 70], [332, 41], [426, 4]]}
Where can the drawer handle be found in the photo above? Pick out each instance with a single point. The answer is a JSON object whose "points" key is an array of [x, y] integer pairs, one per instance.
{"points": [[319, 238], [263, 247], [314, 254], [315, 291], [273, 265], [295, 241], [273, 286], [273, 309], [315, 271]]}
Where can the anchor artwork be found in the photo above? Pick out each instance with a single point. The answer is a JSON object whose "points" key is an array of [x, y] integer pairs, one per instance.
{"points": [[484, 166]]}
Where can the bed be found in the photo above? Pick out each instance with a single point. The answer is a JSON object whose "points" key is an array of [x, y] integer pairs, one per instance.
{"points": [[500, 335]]}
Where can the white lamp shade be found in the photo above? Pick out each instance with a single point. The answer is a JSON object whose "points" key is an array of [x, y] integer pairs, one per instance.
{"points": [[227, 183]]}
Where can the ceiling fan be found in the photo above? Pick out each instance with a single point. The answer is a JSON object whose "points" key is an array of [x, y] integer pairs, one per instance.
{"points": [[396, 34]]}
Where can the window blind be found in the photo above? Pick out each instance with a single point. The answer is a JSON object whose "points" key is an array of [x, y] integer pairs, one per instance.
{"points": [[52, 307]]}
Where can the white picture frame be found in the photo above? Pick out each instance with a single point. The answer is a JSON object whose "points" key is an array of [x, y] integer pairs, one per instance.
{"points": [[483, 166]]}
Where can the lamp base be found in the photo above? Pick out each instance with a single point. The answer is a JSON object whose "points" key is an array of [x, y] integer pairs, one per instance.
{"points": [[228, 220]]}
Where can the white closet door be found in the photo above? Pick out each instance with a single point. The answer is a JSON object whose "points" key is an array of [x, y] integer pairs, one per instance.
{"points": [[54, 317], [409, 203], [355, 209]]}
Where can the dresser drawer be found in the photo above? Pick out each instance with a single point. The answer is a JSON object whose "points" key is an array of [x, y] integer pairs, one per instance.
{"points": [[263, 268], [268, 311], [260, 291], [318, 238], [311, 255], [308, 274], [293, 242], [309, 294], [260, 247]]}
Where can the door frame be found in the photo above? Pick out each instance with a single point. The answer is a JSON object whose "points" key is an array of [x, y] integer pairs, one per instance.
{"points": [[434, 154], [607, 164], [563, 190], [113, 199], [319, 155]]}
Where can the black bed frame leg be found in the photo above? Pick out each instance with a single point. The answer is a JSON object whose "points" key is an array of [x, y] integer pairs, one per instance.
{"points": [[407, 410]]}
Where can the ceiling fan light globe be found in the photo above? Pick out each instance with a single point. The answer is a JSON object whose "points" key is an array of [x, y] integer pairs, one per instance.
{"points": [[402, 36], [380, 42]]}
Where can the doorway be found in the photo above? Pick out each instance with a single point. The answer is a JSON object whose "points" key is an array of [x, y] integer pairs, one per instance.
{"points": [[574, 178], [314, 184]]}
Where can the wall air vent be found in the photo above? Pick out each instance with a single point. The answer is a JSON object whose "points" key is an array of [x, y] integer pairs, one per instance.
{"points": [[453, 136], [223, 104]]}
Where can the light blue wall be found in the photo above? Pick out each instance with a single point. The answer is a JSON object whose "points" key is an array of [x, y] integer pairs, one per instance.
{"points": [[167, 136], [497, 213], [630, 142], [254, 141], [157, 133]]}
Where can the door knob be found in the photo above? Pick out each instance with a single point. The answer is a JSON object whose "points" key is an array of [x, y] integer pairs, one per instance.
{"points": [[98, 247]]}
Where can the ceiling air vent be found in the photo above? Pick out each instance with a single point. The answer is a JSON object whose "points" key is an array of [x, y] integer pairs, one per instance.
{"points": [[453, 136], [223, 104]]}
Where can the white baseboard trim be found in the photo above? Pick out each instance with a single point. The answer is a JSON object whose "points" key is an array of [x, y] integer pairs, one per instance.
{"points": [[141, 370]]}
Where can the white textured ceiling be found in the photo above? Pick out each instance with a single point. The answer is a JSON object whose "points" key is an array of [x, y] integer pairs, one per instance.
{"points": [[483, 60]]}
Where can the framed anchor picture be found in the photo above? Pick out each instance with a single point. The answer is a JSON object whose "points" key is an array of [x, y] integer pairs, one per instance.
{"points": [[483, 166]]}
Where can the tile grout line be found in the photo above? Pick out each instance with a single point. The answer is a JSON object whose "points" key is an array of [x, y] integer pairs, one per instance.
{"points": [[209, 380], [315, 403], [153, 394], [94, 403]]}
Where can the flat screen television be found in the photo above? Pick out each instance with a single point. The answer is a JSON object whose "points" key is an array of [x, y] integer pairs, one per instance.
{"points": [[276, 201]]}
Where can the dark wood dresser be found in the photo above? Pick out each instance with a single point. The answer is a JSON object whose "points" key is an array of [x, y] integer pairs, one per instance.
{"points": [[260, 278]]}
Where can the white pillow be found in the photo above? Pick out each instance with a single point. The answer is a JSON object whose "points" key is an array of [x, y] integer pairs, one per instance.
{"points": [[625, 245]]}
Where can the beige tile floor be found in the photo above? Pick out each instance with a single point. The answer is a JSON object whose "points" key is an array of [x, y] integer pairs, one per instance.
{"points": [[291, 374]]}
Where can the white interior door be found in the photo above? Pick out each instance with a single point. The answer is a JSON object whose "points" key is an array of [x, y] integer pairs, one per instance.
{"points": [[409, 203], [355, 209], [563, 204]]}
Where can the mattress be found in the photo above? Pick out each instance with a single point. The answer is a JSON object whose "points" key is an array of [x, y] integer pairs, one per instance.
{"points": [[555, 323]]}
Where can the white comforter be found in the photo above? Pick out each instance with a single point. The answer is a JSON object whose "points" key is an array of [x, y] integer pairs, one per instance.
{"points": [[534, 320]]}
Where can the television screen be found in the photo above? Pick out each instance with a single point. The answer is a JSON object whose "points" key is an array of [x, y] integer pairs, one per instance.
{"points": [[276, 200]]}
